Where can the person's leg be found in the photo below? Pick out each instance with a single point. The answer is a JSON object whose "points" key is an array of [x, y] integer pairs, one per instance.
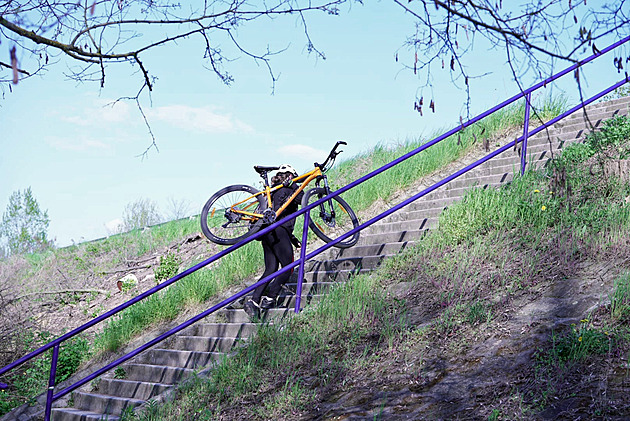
{"points": [[271, 264], [283, 252], [252, 305]]}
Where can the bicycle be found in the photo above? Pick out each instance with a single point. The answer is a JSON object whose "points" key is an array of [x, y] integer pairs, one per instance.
{"points": [[238, 211]]}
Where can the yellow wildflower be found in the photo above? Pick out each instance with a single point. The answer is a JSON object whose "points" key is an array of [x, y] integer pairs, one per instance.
{"points": [[544, 207], [536, 191], [580, 339]]}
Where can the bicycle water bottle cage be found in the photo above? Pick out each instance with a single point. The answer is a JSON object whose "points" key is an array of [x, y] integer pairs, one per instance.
{"points": [[269, 216]]}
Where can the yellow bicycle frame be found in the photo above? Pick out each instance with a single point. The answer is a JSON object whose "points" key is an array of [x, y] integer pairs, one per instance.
{"points": [[306, 178]]}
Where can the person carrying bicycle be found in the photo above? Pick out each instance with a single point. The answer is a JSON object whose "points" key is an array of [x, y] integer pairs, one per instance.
{"points": [[277, 244]]}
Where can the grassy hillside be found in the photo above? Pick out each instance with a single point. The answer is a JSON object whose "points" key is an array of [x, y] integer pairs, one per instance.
{"points": [[488, 317], [46, 294]]}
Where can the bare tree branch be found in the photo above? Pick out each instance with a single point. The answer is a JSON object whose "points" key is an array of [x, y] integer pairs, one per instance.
{"points": [[536, 35], [95, 34]]}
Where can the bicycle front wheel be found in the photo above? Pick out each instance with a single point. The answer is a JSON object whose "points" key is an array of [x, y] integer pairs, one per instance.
{"points": [[219, 221], [332, 218]]}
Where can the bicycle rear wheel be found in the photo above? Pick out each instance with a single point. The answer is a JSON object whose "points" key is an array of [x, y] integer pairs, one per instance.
{"points": [[221, 225], [332, 218]]}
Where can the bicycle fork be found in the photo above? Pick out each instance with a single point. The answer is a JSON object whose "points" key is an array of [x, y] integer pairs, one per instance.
{"points": [[327, 217]]}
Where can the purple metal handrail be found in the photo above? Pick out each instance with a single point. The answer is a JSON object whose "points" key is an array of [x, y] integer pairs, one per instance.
{"points": [[51, 396]]}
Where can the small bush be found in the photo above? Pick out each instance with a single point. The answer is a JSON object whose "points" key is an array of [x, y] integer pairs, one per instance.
{"points": [[613, 138], [169, 265], [31, 379]]}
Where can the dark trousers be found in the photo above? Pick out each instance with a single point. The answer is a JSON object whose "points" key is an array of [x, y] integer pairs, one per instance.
{"points": [[278, 252]]}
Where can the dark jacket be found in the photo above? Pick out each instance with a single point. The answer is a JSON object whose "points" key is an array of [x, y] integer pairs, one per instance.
{"points": [[280, 196]]}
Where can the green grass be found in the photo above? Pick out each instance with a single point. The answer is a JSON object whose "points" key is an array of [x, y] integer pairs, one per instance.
{"points": [[488, 247], [403, 175], [343, 319], [321, 343], [203, 286], [139, 242], [164, 306]]}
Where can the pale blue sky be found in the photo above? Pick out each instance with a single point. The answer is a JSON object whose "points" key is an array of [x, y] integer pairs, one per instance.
{"points": [[79, 155]]}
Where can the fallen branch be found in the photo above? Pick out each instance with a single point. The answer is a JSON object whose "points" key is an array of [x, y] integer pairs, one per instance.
{"points": [[127, 269], [64, 291]]}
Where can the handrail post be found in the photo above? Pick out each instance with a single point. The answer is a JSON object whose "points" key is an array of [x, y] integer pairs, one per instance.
{"points": [[51, 382], [298, 293], [525, 132]]}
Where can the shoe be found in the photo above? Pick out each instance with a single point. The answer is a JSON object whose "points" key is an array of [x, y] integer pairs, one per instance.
{"points": [[252, 309], [267, 302]]}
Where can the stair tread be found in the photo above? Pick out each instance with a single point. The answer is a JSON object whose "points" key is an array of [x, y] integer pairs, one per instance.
{"points": [[87, 415], [111, 397]]}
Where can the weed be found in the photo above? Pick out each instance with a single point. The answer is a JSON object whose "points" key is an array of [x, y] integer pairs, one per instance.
{"points": [[620, 298], [94, 384], [479, 312], [166, 305], [578, 343], [494, 415], [128, 283], [120, 373], [168, 267], [620, 92], [612, 138]]}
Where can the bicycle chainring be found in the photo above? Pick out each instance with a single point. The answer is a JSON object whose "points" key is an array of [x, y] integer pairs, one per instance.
{"points": [[269, 216]]}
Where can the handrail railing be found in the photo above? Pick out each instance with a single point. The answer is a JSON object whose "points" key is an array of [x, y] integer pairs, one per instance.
{"points": [[55, 344]]}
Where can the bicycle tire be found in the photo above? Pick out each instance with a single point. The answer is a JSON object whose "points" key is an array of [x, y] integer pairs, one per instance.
{"points": [[326, 227], [216, 225]]}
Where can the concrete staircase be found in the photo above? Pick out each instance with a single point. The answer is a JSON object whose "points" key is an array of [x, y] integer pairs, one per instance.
{"points": [[156, 371]]}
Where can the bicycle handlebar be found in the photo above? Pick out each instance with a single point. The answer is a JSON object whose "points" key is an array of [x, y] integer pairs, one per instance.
{"points": [[332, 155]]}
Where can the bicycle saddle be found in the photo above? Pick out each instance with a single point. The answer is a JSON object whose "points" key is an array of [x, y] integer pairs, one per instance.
{"points": [[262, 169]]}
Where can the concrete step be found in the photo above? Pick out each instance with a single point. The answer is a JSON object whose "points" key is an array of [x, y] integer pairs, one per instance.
{"points": [[356, 263], [270, 316], [103, 404], [392, 236], [402, 226], [154, 373], [330, 279], [496, 179], [373, 249], [178, 358], [310, 286], [130, 388], [427, 203], [289, 301], [595, 118], [206, 344], [413, 215], [72, 414], [231, 330], [317, 282]]}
